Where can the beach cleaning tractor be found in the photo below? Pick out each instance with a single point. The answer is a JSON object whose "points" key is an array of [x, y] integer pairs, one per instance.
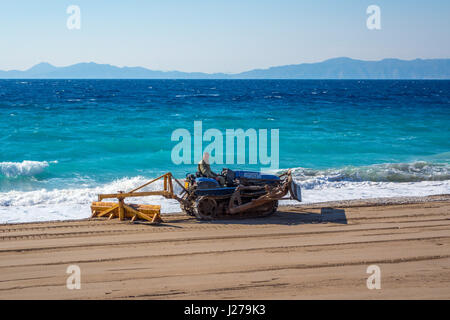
{"points": [[244, 194]]}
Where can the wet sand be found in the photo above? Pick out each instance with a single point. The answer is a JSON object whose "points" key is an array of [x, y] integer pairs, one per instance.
{"points": [[316, 251]]}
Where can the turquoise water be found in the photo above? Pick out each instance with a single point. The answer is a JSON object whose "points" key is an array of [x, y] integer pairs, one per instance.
{"points": [[86, 134]]}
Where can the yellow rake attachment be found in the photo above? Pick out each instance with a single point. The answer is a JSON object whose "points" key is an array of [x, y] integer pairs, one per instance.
{"points": [[112, 210], [125, 211]]}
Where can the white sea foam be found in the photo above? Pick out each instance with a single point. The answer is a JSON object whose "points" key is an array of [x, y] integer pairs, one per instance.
{"points": [[388, 172], [347, 190], [63, 204], [24, 168]]}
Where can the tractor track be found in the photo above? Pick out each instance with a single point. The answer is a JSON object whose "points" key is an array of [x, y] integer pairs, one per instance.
{"points": [[190, 239], [113, 227], [256, 270], [299, 252], [131, 232], [212, 252]]}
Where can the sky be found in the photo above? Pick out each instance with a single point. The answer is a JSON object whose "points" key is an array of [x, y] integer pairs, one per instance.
{"points": [[218, 35]]}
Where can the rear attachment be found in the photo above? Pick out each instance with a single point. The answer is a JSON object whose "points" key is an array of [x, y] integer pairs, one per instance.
{"points": [[123, 211]]}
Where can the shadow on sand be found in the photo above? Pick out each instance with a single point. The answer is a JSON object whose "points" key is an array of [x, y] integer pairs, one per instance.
{"points": [[288, 217], [284, 216]]}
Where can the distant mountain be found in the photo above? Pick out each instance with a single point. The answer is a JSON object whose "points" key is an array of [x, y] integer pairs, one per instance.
{"points": [[346, 68], [338, 68]]}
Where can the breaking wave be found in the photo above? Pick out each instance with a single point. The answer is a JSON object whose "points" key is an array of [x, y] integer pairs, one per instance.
{"points": [[389, 172], [23, 169], [75, 195]]}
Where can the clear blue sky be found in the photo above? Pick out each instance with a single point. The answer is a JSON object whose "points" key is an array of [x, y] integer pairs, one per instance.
{"points": [[219, 35]]}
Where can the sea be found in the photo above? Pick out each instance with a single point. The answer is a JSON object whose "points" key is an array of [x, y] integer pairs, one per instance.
{"points": [[62, 142]]}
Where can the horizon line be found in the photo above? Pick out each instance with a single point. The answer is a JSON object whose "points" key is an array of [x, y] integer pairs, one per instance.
{"points": [[213, 73], [235, 79]]}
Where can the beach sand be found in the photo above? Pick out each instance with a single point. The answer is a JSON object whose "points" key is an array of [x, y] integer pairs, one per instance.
{"points": [[318, 251]]}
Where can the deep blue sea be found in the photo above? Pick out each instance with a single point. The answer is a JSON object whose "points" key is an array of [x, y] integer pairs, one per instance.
{"points": [[64, 141]]}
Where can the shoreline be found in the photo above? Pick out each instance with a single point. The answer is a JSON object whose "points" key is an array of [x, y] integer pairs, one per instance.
{"points": [[314, 251], [384, 201]]}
